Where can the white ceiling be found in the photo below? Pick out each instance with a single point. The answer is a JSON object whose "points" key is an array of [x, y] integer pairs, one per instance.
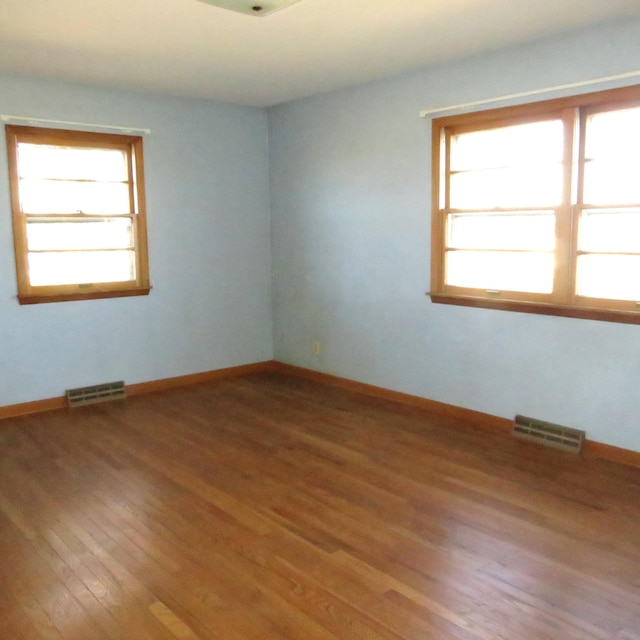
{"points": [[187, 47]]}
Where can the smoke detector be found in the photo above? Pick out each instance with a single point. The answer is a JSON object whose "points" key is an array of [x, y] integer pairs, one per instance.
{"points": [[252, 7]]}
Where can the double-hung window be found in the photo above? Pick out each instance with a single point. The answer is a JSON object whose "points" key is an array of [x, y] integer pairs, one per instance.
{"points": [[537, 207], [78, 214]]}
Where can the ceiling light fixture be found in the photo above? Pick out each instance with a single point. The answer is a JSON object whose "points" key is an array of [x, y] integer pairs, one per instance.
{"points": [[252, 7]]}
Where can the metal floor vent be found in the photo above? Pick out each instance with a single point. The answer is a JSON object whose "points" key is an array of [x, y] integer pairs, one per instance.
{"points": [[96, 393], [547, 433]]}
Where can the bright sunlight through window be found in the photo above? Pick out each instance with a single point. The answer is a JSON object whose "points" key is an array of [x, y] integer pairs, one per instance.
{"points": [[78, 214], [537, 207]]}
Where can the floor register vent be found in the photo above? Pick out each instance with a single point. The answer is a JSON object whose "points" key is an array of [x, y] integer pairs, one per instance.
{"points": [[97, 393], [549, 434]]}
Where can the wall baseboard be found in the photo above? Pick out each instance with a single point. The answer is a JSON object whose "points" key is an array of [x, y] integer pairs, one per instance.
{"points": [[484, 420], [594, 449], [60, 402], [35, 406], [591, 448], [198, 378]]}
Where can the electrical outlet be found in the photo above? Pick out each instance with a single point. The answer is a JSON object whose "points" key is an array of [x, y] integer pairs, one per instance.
{"points": [[315, 347]]}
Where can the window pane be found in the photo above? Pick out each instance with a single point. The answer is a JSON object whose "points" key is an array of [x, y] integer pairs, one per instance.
{"points": [[504, 271], [534, 186], [610, 277], [524, 144], [51, 196], [611, 183], [38, 161], [612, 168], [79, 267], [116, 233], [529, 230], [614, 135], [610, 230]]}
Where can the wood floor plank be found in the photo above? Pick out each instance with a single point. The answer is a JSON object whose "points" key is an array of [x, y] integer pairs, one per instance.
{"points": [[270, 507]]}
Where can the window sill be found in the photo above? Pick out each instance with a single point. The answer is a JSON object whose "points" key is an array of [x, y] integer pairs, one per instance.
{"points": [[587, 313], [88, 295]]}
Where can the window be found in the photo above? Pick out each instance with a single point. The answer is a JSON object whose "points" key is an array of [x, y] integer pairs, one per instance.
{"points": [[78, 209], [537, 207]]}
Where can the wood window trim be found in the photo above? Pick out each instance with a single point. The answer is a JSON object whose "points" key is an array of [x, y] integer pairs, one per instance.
{"points": [[132, 146], [95, 294], [566, 304], [539, 308]]}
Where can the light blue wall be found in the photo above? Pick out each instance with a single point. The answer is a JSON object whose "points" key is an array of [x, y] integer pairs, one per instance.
{"points": [[350, 233], [350, 210], [209, 244]]}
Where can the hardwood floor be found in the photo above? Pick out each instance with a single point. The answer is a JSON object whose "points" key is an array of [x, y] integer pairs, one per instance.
{"points": [[269, 507]]}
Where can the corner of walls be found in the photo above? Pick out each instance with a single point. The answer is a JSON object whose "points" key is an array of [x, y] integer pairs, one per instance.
{"points": [[209, 249], [350, 208]]}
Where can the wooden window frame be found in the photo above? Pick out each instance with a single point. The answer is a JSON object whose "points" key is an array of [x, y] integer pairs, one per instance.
{"points": [[132, 146], [563, 301]]}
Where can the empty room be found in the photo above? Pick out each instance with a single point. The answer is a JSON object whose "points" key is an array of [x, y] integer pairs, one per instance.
{"points": [[320, 320]]}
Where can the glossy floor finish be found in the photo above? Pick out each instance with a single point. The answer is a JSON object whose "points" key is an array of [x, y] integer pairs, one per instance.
{"points": [[269, 507]]}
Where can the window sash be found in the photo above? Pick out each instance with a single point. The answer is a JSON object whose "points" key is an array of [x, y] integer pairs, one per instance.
{"points": [[567, 296], [132, 209]]}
